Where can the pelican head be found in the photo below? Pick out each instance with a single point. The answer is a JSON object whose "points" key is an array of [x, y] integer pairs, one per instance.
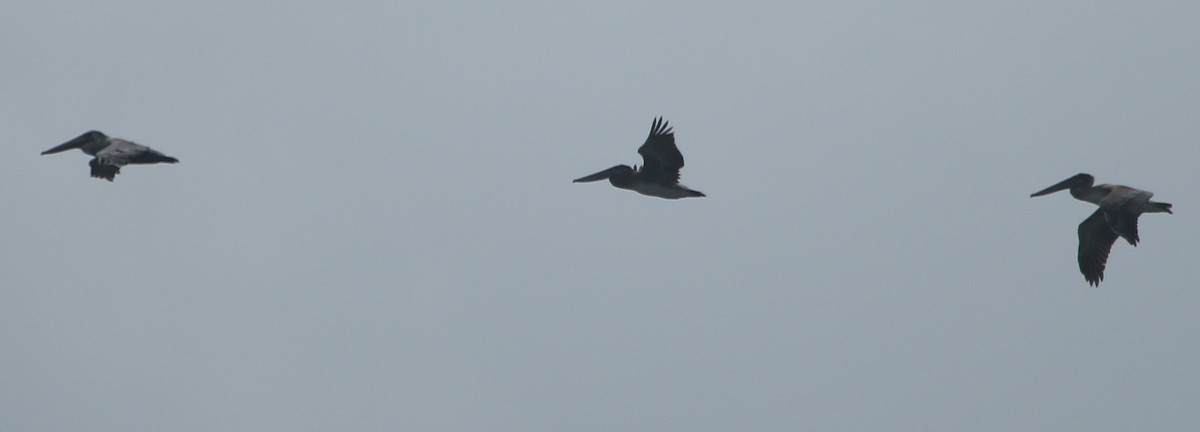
{"points": [[88, 137], [1081, 180], [616, 171]]}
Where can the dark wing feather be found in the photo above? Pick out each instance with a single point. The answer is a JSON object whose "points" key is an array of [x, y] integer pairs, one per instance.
{"points": [[107, 172], [1123, 222], [1122, 206], [1095, 241], [661, 159]]}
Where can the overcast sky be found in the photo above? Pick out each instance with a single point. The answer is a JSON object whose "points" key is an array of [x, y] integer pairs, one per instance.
{"points": [[373, 225]]}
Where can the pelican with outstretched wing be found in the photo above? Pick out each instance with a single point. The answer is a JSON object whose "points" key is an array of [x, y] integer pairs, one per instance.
{"points": [[110, 154], [1117, 216], [659, 174]]}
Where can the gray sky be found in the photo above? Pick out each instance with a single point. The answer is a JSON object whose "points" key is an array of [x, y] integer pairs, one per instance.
{"points": [[373, 226]]}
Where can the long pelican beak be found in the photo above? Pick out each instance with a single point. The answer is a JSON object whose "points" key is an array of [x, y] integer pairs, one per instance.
{"points": [[78, 142], [597, 176], [1065, 184], [64, 147]]}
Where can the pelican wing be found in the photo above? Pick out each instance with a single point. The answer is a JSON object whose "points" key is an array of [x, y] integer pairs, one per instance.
{"points": [[120, 152], [1122, 207], [1096, 238], [104, 171], [661, 159]]}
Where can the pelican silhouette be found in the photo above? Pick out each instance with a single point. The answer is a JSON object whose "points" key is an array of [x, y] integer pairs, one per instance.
{"points": [[659, 173], [110, 154], [1117, 216]]}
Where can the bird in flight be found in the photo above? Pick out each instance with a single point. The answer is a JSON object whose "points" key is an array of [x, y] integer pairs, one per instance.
{"points": [[1117, 216], [659, 174], [110, 154]]}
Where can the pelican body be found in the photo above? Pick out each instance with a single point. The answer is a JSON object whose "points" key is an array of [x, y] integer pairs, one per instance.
{"points": [[659, 173], [110, 154], [1117, 216]]}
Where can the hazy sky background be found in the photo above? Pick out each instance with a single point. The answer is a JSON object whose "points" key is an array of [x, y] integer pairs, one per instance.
{"points": [[373, 226]]}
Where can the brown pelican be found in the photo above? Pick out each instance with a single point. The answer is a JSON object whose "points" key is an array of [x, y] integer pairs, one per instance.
{"points": [[659, 174], [111, 153], [1117, 216]]}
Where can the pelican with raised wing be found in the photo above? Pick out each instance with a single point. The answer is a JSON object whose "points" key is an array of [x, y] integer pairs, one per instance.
{"points": [[1117, 216], [659, 173], [110, 154]]}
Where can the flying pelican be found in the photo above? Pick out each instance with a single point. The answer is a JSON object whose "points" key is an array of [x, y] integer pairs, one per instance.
{"points": [[659, 174], [111, 153], [1117, 216]]}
